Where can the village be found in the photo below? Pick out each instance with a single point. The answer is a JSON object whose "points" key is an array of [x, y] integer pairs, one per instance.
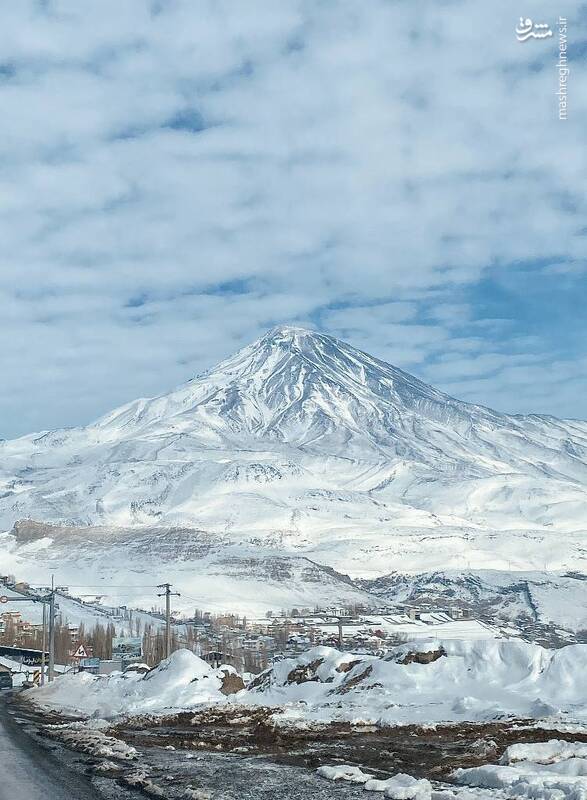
{"points": [[123, 638]]}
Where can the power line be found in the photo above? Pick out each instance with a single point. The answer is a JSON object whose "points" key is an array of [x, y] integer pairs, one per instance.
{"points": [[205, 603], [103, 585]]}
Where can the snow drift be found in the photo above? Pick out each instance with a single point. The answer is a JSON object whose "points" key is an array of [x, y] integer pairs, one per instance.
{"points": [[420, 682], [181, 681], [432, 681], [554, 770]]}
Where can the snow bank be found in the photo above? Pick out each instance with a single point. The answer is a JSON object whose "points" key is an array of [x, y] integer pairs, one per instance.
{"points": [[344, 772], [181, 681], [428, 682], [400, 786], [421, 682], [544, 752], [553, 770]]}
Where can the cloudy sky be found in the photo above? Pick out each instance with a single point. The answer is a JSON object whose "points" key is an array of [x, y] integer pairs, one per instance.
{"points": [[179, 175]]}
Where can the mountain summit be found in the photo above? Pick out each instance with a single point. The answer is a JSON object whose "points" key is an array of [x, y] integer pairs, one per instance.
{"points": [[302, 387], [300, 440]]}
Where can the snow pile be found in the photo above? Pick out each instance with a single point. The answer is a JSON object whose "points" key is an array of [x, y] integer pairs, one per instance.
{"points": [[181, 681], [421, 682], [400, 786], [91, 740], [428, 682], [553, 770], [344, 772], [544, 752]]}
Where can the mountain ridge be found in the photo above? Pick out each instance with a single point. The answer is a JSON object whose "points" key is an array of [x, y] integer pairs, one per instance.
{"points": [[302, 445]]}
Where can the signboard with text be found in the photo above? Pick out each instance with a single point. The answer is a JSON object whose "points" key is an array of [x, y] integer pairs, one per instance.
{"points": [[127, 648], [89, 663]]}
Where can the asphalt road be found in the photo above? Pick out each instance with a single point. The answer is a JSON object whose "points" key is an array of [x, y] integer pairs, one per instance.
{"points": [[28, 768]]}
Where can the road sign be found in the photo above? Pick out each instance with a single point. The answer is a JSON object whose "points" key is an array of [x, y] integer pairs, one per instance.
{"points": [[80, 652], [89, 663], [3, 599], [127, 648]]}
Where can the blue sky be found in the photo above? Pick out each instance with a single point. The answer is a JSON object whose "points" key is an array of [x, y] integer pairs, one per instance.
{"points": [[176, 177]]}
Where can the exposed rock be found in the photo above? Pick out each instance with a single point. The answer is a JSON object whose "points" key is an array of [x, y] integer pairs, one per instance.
{"points": [[231, 683], [352, 682], [423, 658], [347, 666], [305, 673]]}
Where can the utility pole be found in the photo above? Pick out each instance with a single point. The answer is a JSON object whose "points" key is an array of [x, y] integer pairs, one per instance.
{"points": [[52, 631], [44, 646], [52, 606], [340, 637], [167, 594]]}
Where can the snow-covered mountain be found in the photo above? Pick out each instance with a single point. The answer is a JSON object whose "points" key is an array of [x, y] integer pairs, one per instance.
{"points": [[300, 445]]}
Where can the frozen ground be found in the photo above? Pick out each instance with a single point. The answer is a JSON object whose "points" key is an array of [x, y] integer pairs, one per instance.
{"points": [[437, 720], [229, 753]]}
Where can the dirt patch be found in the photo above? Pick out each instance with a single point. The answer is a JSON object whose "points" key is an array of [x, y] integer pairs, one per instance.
{"points": [[433, 752], [423, 658], [231, 683], [250, 736]]}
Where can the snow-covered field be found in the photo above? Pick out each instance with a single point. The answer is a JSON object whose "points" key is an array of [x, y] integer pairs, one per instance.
{"points": [[545, 605], [420, 682]]}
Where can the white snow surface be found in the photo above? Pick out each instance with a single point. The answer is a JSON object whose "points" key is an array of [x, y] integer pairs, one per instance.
{"points": [[343, 772], [303, 447], [544, 752], [554, 770], [474, 681], [181, 681], [399, 787]]}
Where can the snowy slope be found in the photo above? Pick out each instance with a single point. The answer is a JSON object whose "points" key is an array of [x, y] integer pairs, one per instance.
{"points": [[73, 612], [303, 446]]}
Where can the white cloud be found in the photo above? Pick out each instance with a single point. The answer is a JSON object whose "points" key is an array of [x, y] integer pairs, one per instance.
{"points": [[327, 155]]}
